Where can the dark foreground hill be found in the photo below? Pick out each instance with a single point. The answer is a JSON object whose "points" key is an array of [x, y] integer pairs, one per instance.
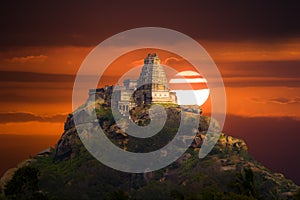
{"points": [[70, 172]]}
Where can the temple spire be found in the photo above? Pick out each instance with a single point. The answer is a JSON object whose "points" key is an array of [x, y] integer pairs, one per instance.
{"points": [[153, 82]]}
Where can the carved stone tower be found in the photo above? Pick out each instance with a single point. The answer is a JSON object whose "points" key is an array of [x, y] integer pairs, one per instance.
{"points": [[153, 84]]}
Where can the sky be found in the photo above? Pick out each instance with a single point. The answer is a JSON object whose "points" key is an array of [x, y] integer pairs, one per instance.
{"points": [[256, 46]]}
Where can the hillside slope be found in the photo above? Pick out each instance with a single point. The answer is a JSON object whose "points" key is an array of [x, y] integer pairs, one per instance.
{"points": [[70, 172]]}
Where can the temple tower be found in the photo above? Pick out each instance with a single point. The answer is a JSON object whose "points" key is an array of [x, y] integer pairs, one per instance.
{"points": [[153, 84]]}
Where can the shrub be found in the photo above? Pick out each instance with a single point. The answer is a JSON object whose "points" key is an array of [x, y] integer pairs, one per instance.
{"points": [[24, 184]]}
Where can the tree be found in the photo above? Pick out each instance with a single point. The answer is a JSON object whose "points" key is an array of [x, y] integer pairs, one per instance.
{"points": [[245, 182], [24, 184]]}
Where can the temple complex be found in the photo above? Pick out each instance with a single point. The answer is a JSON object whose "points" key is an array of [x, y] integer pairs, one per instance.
{"points": [[151, 87]]}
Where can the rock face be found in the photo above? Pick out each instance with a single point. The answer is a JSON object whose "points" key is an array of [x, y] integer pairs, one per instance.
{"points": [[228, 172], [229, 164], [6, 177]]}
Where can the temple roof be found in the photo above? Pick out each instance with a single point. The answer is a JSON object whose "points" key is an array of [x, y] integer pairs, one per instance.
{"points": [[153, 72]]}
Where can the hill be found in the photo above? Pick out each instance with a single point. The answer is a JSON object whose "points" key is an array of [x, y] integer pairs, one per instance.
{"points": [[69, 171]]}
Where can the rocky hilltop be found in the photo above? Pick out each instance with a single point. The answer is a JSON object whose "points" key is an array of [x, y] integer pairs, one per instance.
{"points": [[69, 171]]}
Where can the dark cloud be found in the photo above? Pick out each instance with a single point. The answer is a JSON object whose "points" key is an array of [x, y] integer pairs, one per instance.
{"points": [[280, 69], [284, 100], [27, 117], [40, 88], [17, 76], [33, 77], [281, 100], [261, 73], [89, 22], [254, 73], [261, 82], [277, 100], [36, 96], [28, 59]]}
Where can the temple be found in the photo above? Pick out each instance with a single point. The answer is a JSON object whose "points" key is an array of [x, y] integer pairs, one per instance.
{"points": [[152, 84], [151, 87]]}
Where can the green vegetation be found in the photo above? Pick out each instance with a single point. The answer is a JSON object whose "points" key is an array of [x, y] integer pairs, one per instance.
{"points": [[2, 196], [104, 113], [223, 174], [189, 164], [212, 193], [297, 195], [244, 182], [166, 105], [24, 185]]}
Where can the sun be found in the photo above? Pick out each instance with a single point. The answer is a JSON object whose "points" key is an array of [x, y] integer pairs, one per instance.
{"points": [[190, 87]]}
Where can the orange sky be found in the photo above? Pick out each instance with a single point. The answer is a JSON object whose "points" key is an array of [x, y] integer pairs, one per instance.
{"points": [[260, 91], [39, 106]]}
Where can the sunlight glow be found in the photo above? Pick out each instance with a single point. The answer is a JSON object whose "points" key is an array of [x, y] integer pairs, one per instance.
{"points": [[188, 95]]}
